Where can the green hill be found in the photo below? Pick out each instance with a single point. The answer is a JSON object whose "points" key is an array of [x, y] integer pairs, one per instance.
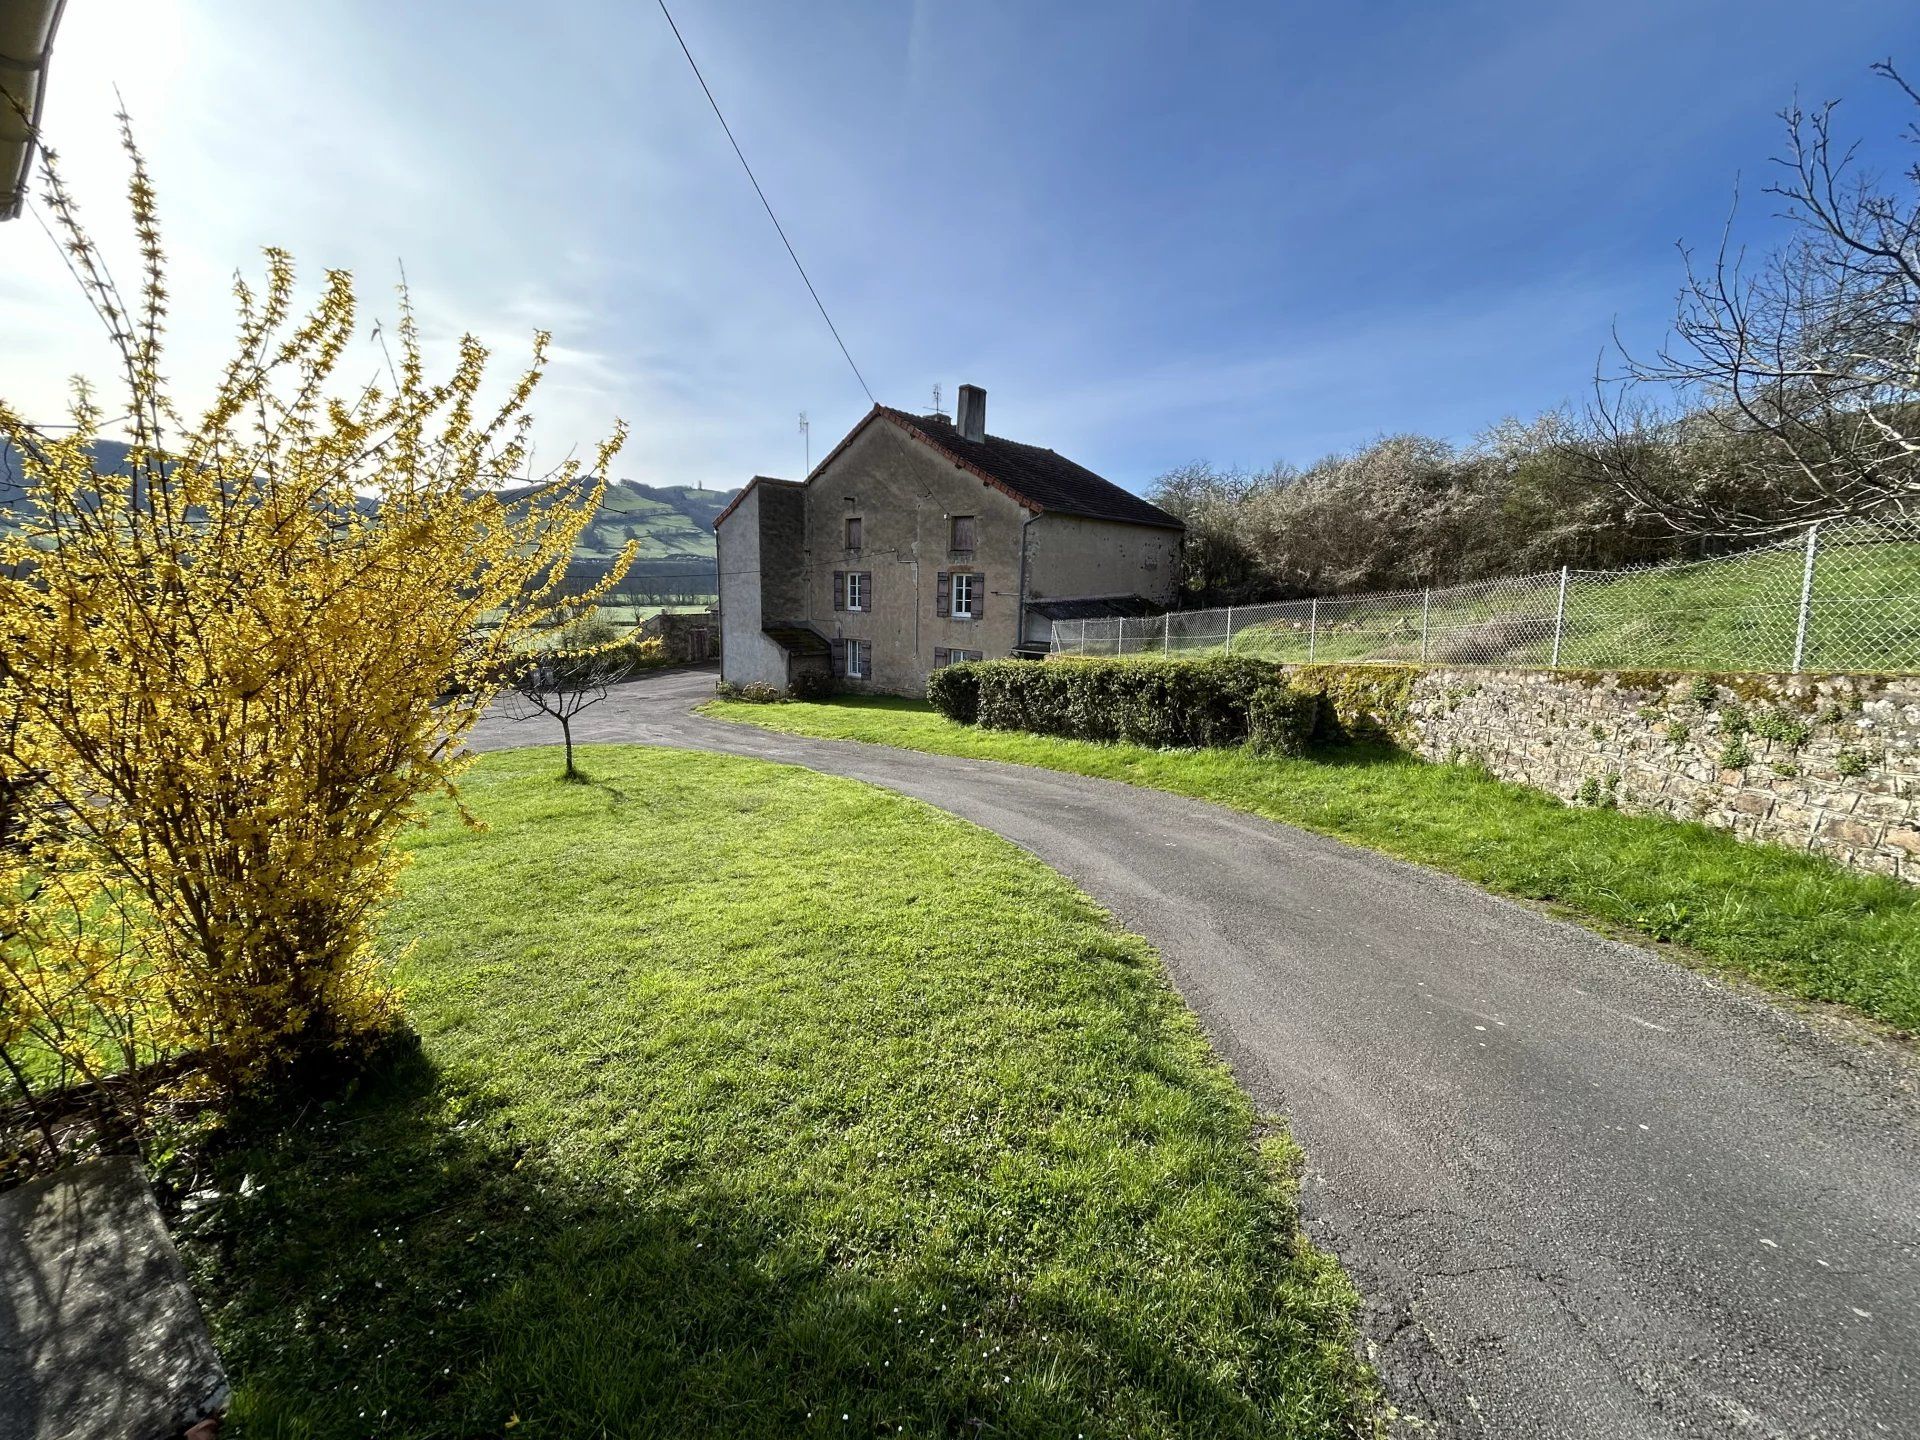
{"points": [[672, 523], [674, 527]]}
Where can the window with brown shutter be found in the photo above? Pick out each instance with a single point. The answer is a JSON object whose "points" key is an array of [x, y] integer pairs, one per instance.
{"points": [[853, 533], [960, 537], [859, 586], [940, 655], [856, 657], [966, 590]]}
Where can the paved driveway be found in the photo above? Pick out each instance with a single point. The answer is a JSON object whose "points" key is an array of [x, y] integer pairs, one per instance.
{"points": [[1586, 1192]]}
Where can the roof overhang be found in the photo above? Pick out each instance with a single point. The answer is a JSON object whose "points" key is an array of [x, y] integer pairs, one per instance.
{"points": [[26, 45]]}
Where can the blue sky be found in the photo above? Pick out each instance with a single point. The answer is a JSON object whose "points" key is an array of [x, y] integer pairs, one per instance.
{"points": [[1154, 232]]}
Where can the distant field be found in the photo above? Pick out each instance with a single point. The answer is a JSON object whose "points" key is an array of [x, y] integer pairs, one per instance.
{"points": [[635, 614]]}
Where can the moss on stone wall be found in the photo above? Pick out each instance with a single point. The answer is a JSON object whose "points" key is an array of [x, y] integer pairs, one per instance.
{"points": [[1360, 702]]}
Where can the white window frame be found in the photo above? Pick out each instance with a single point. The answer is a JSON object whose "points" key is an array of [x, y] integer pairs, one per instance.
{"points": [[961, 585], [857, 590], [854, 672]]}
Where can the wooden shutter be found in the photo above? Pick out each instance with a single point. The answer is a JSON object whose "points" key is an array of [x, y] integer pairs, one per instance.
{"points": [[839, 651], [979, 596], [866, 659], [866, 591], [939, 657], [941, 584], [839, 589]]}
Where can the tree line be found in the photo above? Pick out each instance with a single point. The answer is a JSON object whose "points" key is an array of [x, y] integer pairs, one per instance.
{"points": [[1787, 393]]}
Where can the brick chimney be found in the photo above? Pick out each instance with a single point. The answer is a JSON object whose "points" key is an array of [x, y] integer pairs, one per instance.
{"points": [[970, 414]]}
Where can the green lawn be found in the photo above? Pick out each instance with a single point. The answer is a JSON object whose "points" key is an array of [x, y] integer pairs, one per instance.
{"points": [[752, 1102], [1790, 922]]}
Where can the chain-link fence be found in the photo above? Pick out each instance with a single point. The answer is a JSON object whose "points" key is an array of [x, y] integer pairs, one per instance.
{"points": [[1840, 596]]}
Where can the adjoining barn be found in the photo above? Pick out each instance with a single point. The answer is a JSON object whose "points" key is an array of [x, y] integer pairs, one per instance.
{"points": [[687, 637]]}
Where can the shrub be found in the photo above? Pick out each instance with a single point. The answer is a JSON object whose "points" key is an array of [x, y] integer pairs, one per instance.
{"points": [[752, 694], [1281, 720], [954, 690], [240, 664], [1138, 701], [810, 685]]}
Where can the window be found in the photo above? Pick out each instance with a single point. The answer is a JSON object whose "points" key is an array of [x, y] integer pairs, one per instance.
{"points": [[965, 594], [954, 657], [859, 659], [853, 533], [853, 589], [960, 535]]}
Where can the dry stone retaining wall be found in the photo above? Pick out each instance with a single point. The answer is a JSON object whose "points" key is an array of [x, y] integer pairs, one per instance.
{"points": [[1828, 764]]}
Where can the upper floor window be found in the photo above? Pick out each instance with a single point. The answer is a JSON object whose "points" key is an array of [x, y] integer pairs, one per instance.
{"points": [[853, 532], [965, 595], [960, 534], [856, 590]]}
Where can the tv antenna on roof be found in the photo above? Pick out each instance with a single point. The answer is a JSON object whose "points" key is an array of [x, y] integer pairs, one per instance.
{"points": [[938, 408], [806, 442]]}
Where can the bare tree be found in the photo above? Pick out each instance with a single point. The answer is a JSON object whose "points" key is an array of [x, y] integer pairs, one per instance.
{"points": [[1791, 386], [583, 664]]}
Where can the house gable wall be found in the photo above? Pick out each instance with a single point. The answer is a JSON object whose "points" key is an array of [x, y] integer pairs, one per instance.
{"points": [[905, 495], [747, 656]]}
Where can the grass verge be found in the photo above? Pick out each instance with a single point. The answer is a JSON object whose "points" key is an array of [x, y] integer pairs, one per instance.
{"points": [[753, 1102], [1790, 922]]}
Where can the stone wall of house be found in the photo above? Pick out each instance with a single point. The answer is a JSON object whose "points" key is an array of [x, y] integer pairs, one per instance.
{"points": [[1828, 764]]}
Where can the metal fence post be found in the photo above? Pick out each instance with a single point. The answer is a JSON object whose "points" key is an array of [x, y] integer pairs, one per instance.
{"points": [[1559, 620], [1166, 634], [1806, 597], [1313, 625], [1229, 629], [1426, 612]]}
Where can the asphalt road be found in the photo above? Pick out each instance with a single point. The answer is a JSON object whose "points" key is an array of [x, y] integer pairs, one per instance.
{"points": [[1586, 1191]]}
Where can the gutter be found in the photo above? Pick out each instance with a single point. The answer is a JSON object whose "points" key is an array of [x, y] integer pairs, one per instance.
{"points": [[26, 46]]}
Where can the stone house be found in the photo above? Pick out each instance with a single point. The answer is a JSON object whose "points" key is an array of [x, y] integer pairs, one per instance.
{"points": [[687, 637], [919, 542]]}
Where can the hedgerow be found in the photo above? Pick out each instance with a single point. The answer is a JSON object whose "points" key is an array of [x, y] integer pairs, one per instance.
{"points": [[1137, 701]]}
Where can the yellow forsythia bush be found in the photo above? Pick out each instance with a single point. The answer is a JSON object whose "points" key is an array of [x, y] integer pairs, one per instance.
{"points": [[238, 667]]}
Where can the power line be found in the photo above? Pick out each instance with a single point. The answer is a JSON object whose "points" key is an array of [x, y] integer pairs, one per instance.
{"points": [[763, 202]]}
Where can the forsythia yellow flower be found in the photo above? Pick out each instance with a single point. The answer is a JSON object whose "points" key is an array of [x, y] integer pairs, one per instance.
{"points": [[228, 677]]}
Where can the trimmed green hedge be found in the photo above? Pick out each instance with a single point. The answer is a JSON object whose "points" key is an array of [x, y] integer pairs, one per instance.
{"points": [[1183, 704], [1282, 720], [1180, 704], [954, 690]]}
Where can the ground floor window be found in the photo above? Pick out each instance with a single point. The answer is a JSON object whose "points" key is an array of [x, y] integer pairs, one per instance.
{"points": [[857, 659], [943, 657]]}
